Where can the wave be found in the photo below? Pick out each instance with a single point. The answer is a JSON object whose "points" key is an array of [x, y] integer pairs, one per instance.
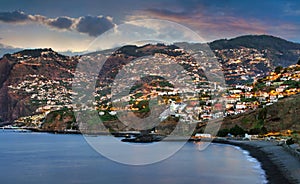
{"points": [[256, 165]]}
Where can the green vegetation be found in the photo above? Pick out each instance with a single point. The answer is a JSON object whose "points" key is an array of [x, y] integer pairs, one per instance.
{"points": [[165, 84], [258, 131], [71, 125], [104, 92], [245, 121], [253, 99], [135, 87], [108, 117], [60, 113], [292, 84], [138, 95], [278, 69], [259, 124], [143, 106], [223, 132], [262, 114], [259, 86], [236, 131]]}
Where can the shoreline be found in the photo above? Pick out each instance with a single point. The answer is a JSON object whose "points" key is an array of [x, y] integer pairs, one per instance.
{"points": [[279, 165]]}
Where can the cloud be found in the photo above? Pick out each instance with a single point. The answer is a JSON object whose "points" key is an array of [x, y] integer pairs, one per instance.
{"points": [[292, 9], [215, 22], [61, 22], [13, 17], [94, 26], [91, 25], [209, 26]]}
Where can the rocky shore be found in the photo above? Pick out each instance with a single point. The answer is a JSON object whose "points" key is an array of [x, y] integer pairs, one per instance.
{"points": [[280, 166]]}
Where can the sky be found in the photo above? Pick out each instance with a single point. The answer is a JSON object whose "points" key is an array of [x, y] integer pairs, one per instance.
{"points": [[74, 25]]}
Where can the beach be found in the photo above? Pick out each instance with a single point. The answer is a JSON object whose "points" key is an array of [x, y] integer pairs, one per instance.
{"points": [[280, 166]]}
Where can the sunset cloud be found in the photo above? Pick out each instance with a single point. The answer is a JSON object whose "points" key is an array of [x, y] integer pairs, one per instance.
{"points": [[91, 25], [75, 27], [212, 24], [210, 27]]}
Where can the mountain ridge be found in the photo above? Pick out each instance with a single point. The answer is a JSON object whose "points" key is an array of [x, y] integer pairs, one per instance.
{"points": [[281, 52], [49, 66], [251, 39], [278, 50], [216, 44]]}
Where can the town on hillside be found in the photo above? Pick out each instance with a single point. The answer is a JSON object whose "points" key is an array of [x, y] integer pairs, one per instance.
{"points": [[252, 82]]}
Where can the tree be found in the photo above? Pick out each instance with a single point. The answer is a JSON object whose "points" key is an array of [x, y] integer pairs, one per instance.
{"points": [[278, 69], [254, 131], [223, 133], [237, 130], [263, 130]]}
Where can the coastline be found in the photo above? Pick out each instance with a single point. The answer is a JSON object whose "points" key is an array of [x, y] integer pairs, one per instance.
{"points": [[279, 165]]}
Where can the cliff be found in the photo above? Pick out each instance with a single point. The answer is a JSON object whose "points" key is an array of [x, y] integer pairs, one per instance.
{"points": [[22, 68]]}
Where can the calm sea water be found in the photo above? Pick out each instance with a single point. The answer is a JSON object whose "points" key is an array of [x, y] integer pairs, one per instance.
{"points": [[47, 158]]}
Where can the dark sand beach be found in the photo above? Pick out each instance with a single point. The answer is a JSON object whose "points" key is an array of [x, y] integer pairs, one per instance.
{"points": [[280, 166]]}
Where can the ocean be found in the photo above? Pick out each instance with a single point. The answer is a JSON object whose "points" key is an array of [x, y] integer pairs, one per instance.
{"points": [[37, 158]]}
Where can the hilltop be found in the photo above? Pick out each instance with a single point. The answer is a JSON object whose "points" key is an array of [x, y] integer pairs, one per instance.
{"points": [[279, 51]]}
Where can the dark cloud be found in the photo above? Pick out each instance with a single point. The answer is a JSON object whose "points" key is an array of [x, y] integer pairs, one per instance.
{"points": [[61, 23], [94, 26], [13, 17]]}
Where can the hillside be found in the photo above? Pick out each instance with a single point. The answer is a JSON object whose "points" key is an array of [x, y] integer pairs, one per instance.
{"points": [[282, 115], [36, 82], [28, 74], [281, 52]]}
